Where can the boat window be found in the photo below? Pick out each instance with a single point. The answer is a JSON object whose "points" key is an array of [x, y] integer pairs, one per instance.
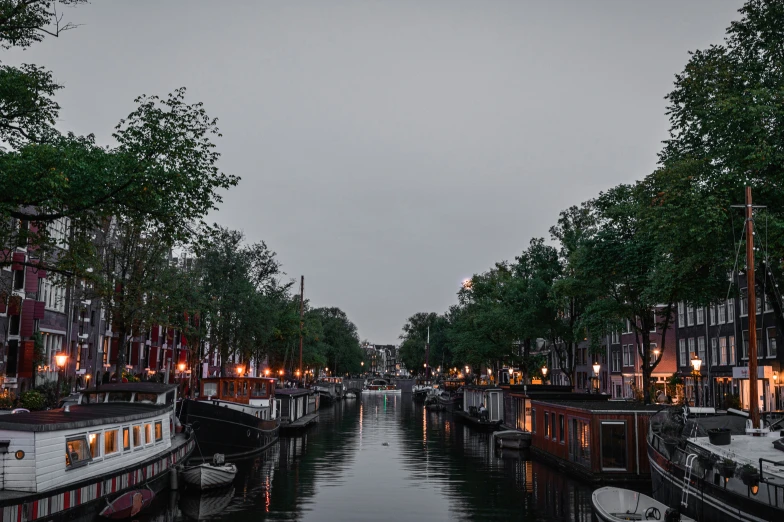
{"points": [[93, 398], [137, 436], [158, 431], [245, 388], [126, 438], [95, 445], [77, 452], [533, 420], [147, 398], [120, 396], [148, 433], [210, 389], [110, 442], [259, 389], [613, 445], [561, 428], [552, 425]]}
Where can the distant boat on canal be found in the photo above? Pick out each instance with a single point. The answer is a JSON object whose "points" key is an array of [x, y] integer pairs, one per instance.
{"points": [[381, 387]]}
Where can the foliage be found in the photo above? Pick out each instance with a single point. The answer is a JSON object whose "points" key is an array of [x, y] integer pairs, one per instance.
{"points": [[7, 400], [32, 400]]}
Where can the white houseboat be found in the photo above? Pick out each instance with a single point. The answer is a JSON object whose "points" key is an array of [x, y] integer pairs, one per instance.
{"points": [[381, 386], [118, 437]]}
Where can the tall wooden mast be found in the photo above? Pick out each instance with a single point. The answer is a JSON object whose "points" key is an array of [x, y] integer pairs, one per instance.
{"points": [[752, 308], [301, 320]]}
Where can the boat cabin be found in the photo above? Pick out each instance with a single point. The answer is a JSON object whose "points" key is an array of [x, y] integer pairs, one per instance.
{"points": [[254, 391], [381, 384], [492, 398], [112, 427], [296, 403], [601, 440]]}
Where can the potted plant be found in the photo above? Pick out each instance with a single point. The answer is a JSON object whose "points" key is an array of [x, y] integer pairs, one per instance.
{"points": [[727, 468], [749, 475], [720, 436], [707, 460]]}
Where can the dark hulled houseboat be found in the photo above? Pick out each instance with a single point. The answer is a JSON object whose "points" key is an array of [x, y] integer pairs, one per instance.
{"points": [[236, 416]]}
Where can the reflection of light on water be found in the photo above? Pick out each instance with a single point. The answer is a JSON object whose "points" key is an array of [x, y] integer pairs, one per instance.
{"points": [[361, 414], [424, 427], [267, 496]]}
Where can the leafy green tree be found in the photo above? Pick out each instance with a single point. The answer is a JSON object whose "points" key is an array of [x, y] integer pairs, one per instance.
{"points": [[339, 344], [414, 340]]}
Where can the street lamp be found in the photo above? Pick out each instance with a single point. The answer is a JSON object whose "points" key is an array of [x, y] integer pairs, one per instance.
{"points": [[544, 373], [596, 368], [240, 370], [60, 359], [696, 363]]}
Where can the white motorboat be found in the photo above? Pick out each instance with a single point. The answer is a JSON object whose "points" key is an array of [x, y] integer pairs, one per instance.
{"points": [[210, 475], [380, 386], [618, 505]]}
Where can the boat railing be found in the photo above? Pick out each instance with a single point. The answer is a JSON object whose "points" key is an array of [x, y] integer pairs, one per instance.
{"points": [[779, 487]]}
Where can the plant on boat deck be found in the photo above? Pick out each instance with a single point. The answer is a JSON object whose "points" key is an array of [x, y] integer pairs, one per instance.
{"points": [[749, 474], [32, 400], [727, 468]]}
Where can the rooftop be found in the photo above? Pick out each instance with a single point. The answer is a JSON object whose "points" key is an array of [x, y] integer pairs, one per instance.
{"points": [[142, 387], [601, 405], [79, 416]]}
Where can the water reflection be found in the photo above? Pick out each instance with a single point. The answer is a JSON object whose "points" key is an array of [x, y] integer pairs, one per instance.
{"points": [[386, 458]]}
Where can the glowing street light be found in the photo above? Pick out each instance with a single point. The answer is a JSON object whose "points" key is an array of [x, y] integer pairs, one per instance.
{"points": [[60, 359], [240, 370], [696, 363]]}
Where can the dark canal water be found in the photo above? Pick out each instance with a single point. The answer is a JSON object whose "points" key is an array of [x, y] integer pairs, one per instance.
{"points": [[385, 458]]}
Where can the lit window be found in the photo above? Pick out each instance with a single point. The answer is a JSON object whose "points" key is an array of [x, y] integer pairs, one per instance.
{"points": [[126, 438], [148, 433], [158, 431], [137, 436], [95, 445], [110, 442], [77, 452]]}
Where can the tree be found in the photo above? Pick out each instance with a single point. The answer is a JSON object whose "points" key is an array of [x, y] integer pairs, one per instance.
{"points": [[727, 125], [340, 342], [414, 339], [623, 259]]}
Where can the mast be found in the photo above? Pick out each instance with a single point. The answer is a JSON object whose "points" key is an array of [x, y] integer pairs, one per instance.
{"points": [[752, 308], [301, 315], [427, 355]]}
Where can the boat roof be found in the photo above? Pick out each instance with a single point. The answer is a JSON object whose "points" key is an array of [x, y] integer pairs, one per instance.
{"points": [[292, 391], [79, 416], [602, 405], [142, 387]]}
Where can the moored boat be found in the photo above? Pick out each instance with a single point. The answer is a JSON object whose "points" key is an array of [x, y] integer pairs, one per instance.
{"points": [[381, 386], [210, 475], [118, 438], [512, 439], [235, 416], [618, 505], [329, 391], [128, 504], [298, 408]]}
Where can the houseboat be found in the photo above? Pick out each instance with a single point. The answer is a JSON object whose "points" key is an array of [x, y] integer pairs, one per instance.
{"points": [[599, 440], [298, 408], [329, 391], [716, 465], [235, 416], [381, 386], [72, 461], [483, 407], [422, 389]]}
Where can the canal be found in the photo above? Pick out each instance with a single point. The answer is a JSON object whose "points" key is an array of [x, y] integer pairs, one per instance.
{"points": [[385, 458]]}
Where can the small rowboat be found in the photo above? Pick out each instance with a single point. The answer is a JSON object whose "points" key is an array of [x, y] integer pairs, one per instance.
{"points": [[128, 504], [210, 474], [619, 505]]}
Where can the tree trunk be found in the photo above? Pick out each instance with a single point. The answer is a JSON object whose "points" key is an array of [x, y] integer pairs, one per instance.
{"points": [[120, 365], [645, 351]]}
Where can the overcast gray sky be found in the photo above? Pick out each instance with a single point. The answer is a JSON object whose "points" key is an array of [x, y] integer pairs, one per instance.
{"points": [[388, 150]]}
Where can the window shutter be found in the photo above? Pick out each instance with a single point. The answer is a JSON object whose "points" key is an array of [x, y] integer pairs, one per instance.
{"points": [[3, 302], [26, 354], [155, 335], [153, 362], [41, 273], [18, 258], [31, 281], [28, 318], [114, 350], [40, 307]]}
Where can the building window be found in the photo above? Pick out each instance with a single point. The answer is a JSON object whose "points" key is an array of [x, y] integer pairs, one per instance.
{"points": [[772, 352], [700, 315], [723, 345], [626, 354], [652, 353], [713, 314], [682, 351], [768, 306], [744, 303], [77, 452], [745, 340], [731, 349], [681, 315], [110, 442], [613, 445], [616, 338], [616, 361], [701, 349], [730, 310], [546, 425], [689, 315], [561, 429], [714, 351], [759, 304], [722, 313], [691, 351]]}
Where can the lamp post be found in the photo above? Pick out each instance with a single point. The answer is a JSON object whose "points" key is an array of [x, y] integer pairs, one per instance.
{"points": [[696, 363], [60, 359], [544, 373], [596, 368], [240, 370]]}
